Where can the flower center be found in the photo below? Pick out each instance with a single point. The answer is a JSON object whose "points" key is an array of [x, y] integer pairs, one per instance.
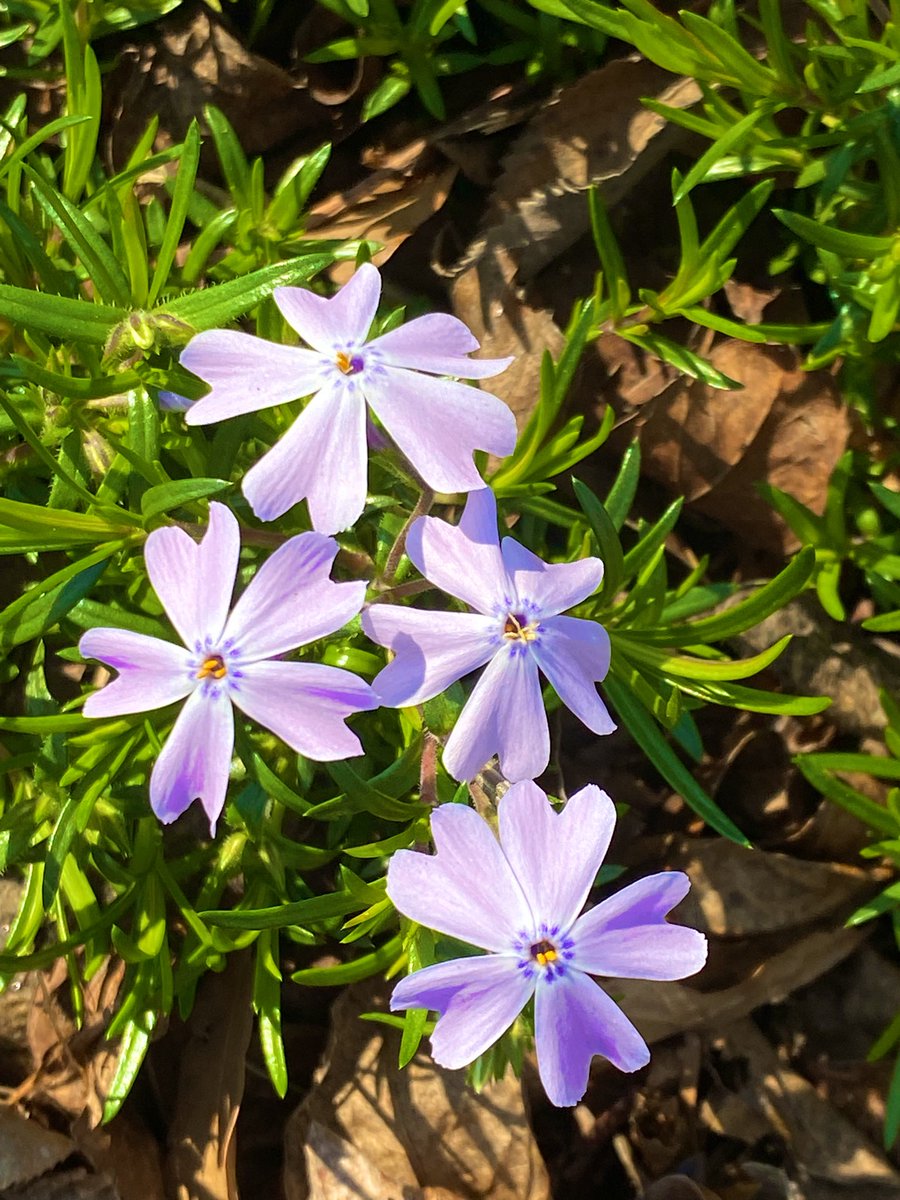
{"points": [[518, 629], [349, 364], [543, 952], [213, 665]]}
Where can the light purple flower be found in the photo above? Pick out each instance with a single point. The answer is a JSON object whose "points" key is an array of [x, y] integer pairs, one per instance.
{"points": [[515, 629], [437, 423], [231, 659], [519, 899]]}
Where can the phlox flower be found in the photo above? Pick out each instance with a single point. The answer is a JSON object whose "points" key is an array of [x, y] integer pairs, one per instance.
{"points": [[516, 629], [231, 659], [519, 900], [437, 423]]}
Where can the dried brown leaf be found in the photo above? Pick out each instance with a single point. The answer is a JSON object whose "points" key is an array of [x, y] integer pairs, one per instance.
{"points": [[595, 132], [191, 59], [422, 1127], [77, 1184], [832, 1158], [27, 1150], [486, 298], [338, 1171], [388, 206], [692, 434], [662, 1009], [677, 1187], [210, 1086], [738, 892]]}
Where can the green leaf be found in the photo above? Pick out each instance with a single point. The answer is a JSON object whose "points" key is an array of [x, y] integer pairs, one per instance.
{"points": [[837, 241], [680, 357], [761, 604], [352, 972], [301, 912], [651, 541], [608, 545], [212, 307], [622, 493], [58, 525], [134, 1041], [723, 145], [648, 737], [614, 273], [106, 274], [60, 316], [41, 607], [181, 198], [854, 802], [166, 496], [267, 1006], [705, 670]]}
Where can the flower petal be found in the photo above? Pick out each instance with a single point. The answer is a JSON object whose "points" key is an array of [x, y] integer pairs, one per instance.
{"points": [[332, 324], [437, 343], [556, 856], [574, 1019], [247, 373], [195, 580], [195, 761], [438, 424], [550, 587], [504, 716], [152, 673], [464, 560], [627, 935], [478, 999], [574, 654], [292, 600], [321, 457], [467, 889], [305, 704], [432, 649]]}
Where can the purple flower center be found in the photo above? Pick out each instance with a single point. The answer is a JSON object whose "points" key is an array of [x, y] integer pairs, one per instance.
{"points": [[547, 954], [517, 628], [213, 665], [349, 364]]}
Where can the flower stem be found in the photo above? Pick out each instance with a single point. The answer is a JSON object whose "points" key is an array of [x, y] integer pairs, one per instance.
{"points": [[423, 504]]}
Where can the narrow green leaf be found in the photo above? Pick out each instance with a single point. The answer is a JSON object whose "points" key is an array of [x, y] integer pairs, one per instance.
{"points": [[178, 209], [608, 545], [761, 604], [215, 306], [60, 316], [648, 737], [166, 496], [134, 1041], [621, 494], [837, 241], [352, 972]]}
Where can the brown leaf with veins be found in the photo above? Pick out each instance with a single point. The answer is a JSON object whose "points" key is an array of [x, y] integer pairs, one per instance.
{"points": [[421, 1127], [210, 1085]]}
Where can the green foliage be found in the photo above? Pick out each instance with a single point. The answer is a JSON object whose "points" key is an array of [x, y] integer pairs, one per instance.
{"points": [[824, 771], [100, 289], [821, 110]]}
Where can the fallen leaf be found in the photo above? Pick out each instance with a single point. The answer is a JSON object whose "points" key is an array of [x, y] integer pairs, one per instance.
{"points": [[338, 1171], [831, 1156], [692, 434], [597, 131], [27, 1150], [202, 1148], [486, 298], [677, 1187], [190, 60], [737, 892], [660, 1010], [386, 207], [422, 1127]]}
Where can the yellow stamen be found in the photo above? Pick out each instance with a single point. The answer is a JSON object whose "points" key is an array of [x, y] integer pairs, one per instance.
{"points": [[343, 362], [515, 631], [215, 666], [544, 952]]}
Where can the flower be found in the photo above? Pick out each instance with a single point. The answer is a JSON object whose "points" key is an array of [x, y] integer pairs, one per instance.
{"points": [[519, 900], [515, 629], [228, 659], [436, 423]]}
